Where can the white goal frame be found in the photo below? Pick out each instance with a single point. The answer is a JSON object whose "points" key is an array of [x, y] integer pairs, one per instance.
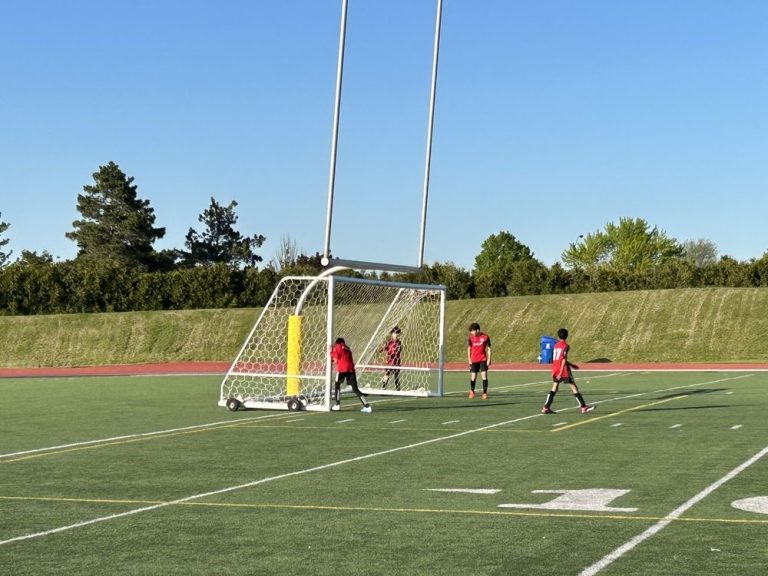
{"points": [[284, 363]]}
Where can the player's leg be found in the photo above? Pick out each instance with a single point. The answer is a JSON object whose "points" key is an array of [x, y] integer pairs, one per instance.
{"points": [[356, 390], [583, 406], [473, 370], [484, 376], [397, 379], [547, 409], [337, 392]]}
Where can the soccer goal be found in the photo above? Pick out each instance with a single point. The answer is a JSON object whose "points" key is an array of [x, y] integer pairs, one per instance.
{"points": [[285, 364]]}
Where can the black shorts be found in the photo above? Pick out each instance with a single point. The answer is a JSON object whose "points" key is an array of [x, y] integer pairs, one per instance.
{"points": [[476, 367], [566, 380], [391, 371], [348, 377]]}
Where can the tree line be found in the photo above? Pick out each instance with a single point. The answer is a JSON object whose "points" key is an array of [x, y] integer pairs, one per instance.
{"points": [[118, 269]]}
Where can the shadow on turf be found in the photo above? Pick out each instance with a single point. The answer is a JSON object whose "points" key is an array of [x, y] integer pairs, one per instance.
{"points": [[670, 408], [693, 392], [472, 404]]}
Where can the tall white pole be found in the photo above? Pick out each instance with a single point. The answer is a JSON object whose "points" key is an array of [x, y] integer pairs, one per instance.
{"points": [[428, 161], [335, 137]]}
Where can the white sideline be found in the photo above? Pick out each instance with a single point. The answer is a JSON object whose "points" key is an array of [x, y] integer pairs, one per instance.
{"points": [[316, 469], [664, 522], [138, 435]]}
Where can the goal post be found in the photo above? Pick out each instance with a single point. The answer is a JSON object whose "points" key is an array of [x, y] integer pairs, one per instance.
{"points": [[284, 362]]}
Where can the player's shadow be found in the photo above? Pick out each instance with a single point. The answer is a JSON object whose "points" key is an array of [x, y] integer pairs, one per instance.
{"points": [[472, 404], [675, 408], [692, 392], [599, 361]]}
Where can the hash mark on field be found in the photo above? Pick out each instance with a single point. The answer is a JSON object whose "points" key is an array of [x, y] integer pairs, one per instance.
{"points": [[676, 426], [294, 419], [617, 424], [396, 421], [345, 421], [451, 422], [729, 393], [559, 424], [736, 427]]}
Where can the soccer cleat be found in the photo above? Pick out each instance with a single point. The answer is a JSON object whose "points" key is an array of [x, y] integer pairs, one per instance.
{"points": [[485, 396], [366, 409], [471, 394], [587, 408], [547, 410], [336, 407]]}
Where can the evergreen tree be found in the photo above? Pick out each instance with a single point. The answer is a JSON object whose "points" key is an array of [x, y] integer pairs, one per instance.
{"points": [[4, 256], [116, 224], [220, 243]]}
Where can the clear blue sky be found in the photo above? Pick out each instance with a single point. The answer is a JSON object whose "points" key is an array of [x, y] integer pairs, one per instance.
{"points": [[553, 118]]}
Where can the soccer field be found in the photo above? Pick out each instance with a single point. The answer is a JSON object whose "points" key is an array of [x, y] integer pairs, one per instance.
{"points": [[146, 475]]}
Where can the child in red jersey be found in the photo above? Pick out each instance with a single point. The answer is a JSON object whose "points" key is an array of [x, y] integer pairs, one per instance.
{"points": [[393, 349], [479, 358], [345, 372], [562, 372]]}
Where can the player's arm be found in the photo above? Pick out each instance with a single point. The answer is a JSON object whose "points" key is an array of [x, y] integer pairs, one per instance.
{"points": [[488, 355]]}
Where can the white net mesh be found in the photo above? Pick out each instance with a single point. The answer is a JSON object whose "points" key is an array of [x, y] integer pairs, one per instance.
{"points": [[267, 374]]}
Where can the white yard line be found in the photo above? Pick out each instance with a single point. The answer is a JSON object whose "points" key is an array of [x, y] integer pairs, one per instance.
{"points": [[664, 522], [139, 435]]}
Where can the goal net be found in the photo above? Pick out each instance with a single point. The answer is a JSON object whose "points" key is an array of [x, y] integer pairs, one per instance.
{"points": [[285, 364]]}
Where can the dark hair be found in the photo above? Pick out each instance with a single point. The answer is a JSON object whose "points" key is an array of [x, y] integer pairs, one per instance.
{"points": [[562, 333], [474, 326], [340, 341], [395, 330]]}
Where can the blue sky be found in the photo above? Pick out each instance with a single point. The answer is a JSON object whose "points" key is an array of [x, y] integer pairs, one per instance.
{"points": [[553, 118]]}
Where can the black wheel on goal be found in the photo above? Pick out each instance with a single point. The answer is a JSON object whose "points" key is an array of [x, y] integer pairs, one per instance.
{"points": [[233, 404], [294, 404]]}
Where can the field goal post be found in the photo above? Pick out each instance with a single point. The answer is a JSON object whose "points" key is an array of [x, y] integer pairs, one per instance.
{"points": [[284, 362]]}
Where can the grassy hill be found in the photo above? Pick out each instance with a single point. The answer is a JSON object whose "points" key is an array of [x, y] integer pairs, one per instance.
{"points": [[693, 325]]}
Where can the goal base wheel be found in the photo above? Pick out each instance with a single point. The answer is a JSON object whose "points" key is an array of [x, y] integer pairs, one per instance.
{"points": [[233, 404], [295, 404]]}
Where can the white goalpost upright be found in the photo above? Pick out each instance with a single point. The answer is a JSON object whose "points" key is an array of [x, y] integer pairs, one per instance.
{"points": [[285, 363]]}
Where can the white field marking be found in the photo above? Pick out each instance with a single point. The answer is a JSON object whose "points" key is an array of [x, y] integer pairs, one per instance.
{"points": [[488, 491], [262, 481], [559, 424], [451, 422], [345, 421], [729, 393], [617, 424], [736, 427], [396, 421], [664, 522], [758, 504], [676, 426], [304, 471], [536, 383], [719, 380], [592, 500], [139, 435]]}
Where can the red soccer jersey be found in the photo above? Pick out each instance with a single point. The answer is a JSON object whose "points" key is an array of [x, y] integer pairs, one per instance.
{"points": [[394, 350], [342, 356], [478, 346], [560, 367]]}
